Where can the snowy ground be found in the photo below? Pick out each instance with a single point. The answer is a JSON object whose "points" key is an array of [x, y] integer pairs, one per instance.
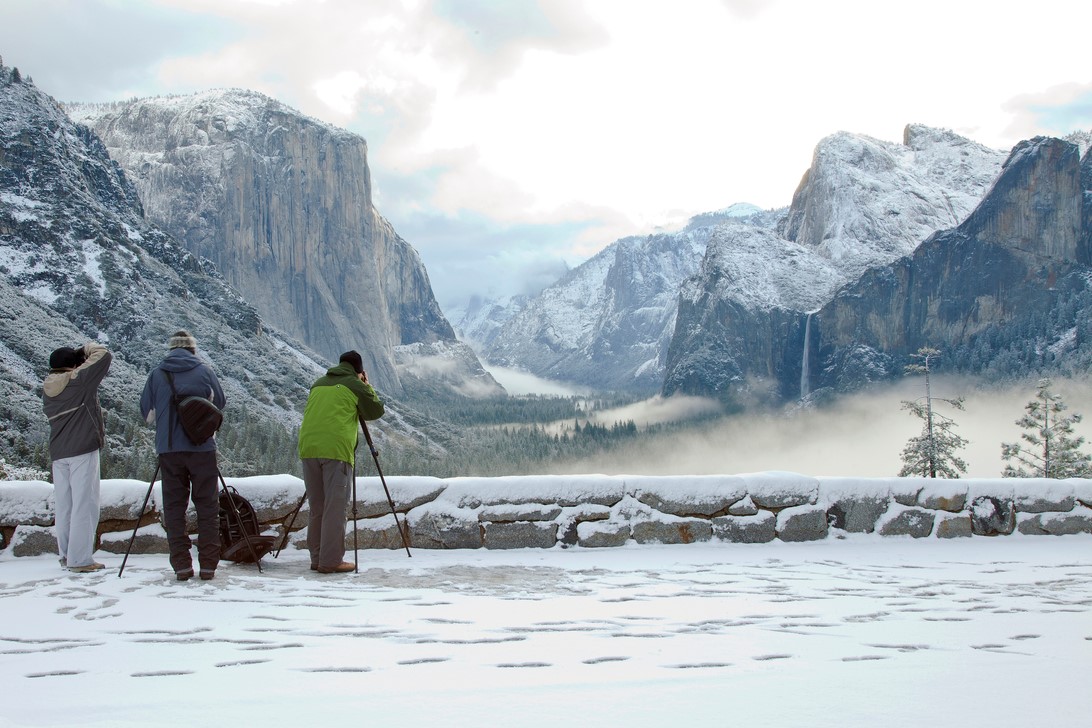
{"points": [[854, 632]]}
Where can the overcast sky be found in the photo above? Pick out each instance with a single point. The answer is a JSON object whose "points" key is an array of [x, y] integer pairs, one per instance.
{"points": [[509, 138]]}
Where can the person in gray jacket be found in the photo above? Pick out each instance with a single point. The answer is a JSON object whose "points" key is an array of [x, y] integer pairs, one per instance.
{"points": [[70, 399], [189, 471]]}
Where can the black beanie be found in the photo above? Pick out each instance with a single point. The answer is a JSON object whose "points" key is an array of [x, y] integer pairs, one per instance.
{"points": [[66, 358], [353, 358]]}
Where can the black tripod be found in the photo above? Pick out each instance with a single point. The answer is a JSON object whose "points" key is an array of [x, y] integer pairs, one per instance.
{"points": [[235, 508], [402, 531]]}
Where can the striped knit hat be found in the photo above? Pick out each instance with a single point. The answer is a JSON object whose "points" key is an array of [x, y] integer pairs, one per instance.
{"points": [[182, 340]]}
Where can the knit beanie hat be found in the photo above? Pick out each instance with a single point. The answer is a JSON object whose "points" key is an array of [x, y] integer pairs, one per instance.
{"points": [[353, 358], [66, 358], [182, 340]]}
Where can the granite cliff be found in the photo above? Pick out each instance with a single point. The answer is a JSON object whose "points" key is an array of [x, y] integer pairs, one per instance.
{"points": [[1006, 291], [282, 204]]}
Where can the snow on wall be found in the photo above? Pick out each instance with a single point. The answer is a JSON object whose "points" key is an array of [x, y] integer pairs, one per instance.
{"points": [[545, 511]]}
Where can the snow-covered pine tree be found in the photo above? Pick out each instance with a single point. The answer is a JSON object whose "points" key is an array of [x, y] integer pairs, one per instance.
{"points": [[1054, 449], [932, 453]]}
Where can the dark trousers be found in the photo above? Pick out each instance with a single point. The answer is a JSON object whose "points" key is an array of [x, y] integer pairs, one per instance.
{"points": [[191, 476], [327, 483]]}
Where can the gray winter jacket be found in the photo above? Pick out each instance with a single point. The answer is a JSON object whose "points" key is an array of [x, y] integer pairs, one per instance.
{"points": [[70, 400], [191, 377]]}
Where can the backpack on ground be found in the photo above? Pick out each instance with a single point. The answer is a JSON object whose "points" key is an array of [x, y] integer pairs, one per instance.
{"points": [[200, 418], [238, 526]]}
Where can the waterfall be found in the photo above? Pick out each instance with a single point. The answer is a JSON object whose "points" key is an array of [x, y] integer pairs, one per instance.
{"points": [[805, 370]]}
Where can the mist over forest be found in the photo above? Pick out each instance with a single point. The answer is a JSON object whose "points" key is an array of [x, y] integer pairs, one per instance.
{"points": [[861, 434]]}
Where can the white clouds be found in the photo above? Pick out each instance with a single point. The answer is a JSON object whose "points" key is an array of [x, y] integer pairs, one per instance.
{"points": [[613, 116]]}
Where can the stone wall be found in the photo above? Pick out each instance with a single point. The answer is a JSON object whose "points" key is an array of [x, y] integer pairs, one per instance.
{"points": [[594, 510]]}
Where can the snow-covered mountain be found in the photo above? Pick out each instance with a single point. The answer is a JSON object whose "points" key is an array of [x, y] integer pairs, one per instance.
{"points": [[605, 324], [282, 204], [863, 203], [1004, 292]]}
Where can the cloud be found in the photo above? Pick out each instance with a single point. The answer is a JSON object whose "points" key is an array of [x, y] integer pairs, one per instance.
{"points": [[589, 120], [101, 51], [1059, 109]]}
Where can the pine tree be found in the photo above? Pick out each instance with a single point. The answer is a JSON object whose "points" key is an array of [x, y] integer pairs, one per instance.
{"points": [[1053, 449], [932, 453]]}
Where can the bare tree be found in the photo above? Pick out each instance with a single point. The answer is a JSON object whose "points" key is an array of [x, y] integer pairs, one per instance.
{"points": [[932, 453]]}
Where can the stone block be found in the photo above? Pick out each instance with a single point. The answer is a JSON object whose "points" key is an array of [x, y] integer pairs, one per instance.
{"points": [[520, 535], [745, 506], [774, 490], [1045, 496], [444, 528], [673, 531], [508, 513], [954, 526], [150, 539], [407, 493], [803, 523], [26, 503], [856, 514], [692, 495], [992, 516], [915, 522], [33, 541], [377, 533], [602, 534], [759, 528], [1065, 524], [943, 495]]}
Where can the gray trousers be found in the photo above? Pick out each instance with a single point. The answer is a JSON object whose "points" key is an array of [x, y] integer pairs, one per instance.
{"points": [[76, 506], [328, 486]]}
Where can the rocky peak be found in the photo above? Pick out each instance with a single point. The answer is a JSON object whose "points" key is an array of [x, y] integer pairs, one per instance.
{"points": [[865, 202], [282, 204], [1035, 206]]}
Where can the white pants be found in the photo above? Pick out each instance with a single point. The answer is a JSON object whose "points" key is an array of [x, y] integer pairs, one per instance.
{"points": [[76, 498]]}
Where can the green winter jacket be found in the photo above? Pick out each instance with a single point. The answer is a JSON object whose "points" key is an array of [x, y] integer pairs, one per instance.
{"points": [[336, 404]]}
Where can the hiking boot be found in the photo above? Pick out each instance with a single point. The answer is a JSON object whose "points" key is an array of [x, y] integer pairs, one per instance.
{"points": [[184, 575], [87, 568], [64, 562], [207, 574], [341, 568], [314, 567]]}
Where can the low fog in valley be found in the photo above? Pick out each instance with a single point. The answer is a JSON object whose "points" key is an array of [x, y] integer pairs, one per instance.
{"points": [[859, 435]]}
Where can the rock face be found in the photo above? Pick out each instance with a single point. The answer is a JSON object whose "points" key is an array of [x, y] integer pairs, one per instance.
{"points": [[744, 321], [282, 204], [1019, 261]]}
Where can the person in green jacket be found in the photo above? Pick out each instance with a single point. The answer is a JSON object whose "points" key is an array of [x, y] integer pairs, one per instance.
{"points": [[327, 447]]}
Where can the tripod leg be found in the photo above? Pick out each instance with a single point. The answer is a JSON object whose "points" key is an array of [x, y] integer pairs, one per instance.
{"points": [[356, 548], [288, 528], [239, 520], [140, 516], [390, 501]]}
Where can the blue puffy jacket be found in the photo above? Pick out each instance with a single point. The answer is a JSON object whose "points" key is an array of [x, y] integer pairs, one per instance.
{"points": [[191, 377]]}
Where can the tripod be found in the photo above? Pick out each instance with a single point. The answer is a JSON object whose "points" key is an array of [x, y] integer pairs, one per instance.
{"points": [[234, 507], [402, 530]]}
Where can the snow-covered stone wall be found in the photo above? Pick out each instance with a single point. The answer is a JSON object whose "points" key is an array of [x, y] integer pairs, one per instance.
{"points": [[546, 511]]}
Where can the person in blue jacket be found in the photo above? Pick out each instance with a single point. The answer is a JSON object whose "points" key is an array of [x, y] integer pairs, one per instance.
{"points": [[189, 471]]}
